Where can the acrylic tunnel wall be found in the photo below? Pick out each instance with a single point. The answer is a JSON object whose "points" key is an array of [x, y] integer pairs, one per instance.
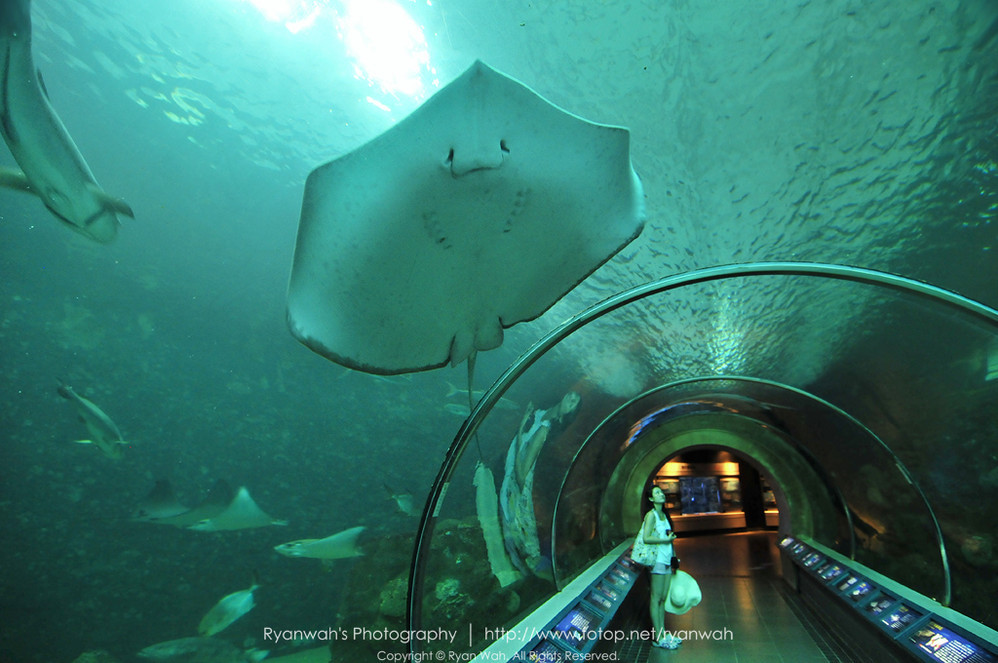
{"points": [[866, 400]]}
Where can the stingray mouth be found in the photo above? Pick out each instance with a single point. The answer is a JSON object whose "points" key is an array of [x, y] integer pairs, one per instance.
{"points": [[463, 162]]}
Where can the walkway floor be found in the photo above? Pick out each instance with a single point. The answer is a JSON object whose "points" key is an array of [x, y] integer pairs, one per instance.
{"points": [[746, 615]]}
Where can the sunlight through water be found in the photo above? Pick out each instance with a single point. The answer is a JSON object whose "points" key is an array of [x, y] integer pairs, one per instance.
{"points": [[386, 46]]}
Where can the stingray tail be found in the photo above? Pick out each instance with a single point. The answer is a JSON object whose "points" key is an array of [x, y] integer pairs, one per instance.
{"points": [[471, 406]]}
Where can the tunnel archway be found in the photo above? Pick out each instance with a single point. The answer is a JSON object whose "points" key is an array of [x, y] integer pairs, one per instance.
{"points": [[829, 401]]}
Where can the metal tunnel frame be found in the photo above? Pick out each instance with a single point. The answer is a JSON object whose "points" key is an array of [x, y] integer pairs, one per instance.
{"points": [[495, 392]]}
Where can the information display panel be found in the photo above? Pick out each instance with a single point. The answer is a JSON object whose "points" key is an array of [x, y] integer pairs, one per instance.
{"points": [[617, 581], [575, 627], [943, 645], [599, 599], [831, 571], [812, 560], [546, 651], [629, 563], [610, 592], [787, 541], [847, 583], [860, 591], [622, 574], [900, 618], [877, 605]]}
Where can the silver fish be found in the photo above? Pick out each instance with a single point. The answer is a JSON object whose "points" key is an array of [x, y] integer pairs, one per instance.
{"points": [[104, 434], [227, 610], [53, 168]]}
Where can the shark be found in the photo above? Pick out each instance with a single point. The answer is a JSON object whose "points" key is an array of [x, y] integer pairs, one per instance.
{"points": [[52, 167]]}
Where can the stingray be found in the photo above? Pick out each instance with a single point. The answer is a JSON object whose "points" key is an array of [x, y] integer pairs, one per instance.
{"points": [[478, 211], [162, 507], [241, 513]]}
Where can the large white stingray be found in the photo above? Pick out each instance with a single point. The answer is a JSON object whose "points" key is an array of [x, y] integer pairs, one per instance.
{"points": [[479, 210]]}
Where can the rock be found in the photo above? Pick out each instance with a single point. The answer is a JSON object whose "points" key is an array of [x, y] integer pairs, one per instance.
{"points": [[393, 597]]}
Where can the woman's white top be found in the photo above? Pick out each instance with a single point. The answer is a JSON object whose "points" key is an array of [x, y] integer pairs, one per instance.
{"points": [[662, 528]]}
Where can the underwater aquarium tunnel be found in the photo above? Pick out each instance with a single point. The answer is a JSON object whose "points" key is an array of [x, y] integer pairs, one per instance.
{"points": [[859, 402]]}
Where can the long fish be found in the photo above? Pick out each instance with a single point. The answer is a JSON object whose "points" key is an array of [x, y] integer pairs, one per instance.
{"points": [[53, 168], [104, 433]]}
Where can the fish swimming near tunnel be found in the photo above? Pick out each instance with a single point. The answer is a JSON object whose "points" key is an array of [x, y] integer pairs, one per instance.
{"points": [[104, 433], [341, 545], [228, 610], [52, 167]]}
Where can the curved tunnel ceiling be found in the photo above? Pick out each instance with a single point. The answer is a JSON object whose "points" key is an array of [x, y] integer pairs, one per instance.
{"points": [[855, 449], [814, 452]]}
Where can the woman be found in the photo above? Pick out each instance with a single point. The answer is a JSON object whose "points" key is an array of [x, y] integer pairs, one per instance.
{"points": [[657, 529]]}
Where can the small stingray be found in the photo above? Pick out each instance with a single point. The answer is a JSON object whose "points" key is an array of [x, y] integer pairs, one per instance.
{"points": [[162, 507], [478, 211], [241, 513], [338, 546]]}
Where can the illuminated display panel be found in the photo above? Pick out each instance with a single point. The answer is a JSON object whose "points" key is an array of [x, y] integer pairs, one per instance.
{"points": [[900, 617], [813, 559], [575, 626], [628, 562], [860, 590], [610, 592], [599, 599], [617, 581], [878, 605], [946, 646], [621, 574], [787, 542], [546, 652], [847, 583], [831, 572], [798, 548]]}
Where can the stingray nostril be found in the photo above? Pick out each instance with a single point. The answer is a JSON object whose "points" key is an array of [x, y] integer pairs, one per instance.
{"points": [[450, 157], [504, 147]]}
